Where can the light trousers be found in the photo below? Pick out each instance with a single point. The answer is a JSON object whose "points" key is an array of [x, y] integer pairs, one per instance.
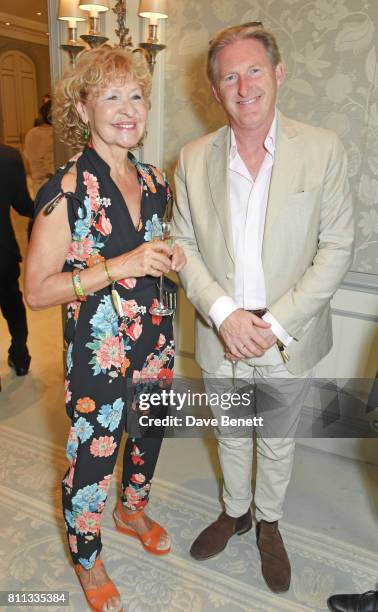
{"points": [[278, 399]]}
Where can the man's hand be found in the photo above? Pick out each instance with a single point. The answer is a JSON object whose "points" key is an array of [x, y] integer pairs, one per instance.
{"points": [[178, 260], [245, 335]]}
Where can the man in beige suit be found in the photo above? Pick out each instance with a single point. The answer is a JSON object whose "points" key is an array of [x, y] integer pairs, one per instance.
{"points": [[265, 217]]}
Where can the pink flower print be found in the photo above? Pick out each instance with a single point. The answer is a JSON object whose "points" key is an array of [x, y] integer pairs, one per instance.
{"points": [[128, 283], [69, 479], [156, 319], [135, 330], [136, 456], [138, 478], [132, 495], [88, 522], [105, 483], [91, 183], [75, 307], [142, 375], [153, 368], [72, 435], [68, 393], [160, 342], [103, 224], [130, 308], [144, 490], [110, 353], [80, 249], [104, 446], [136, 498], [72, 540]]}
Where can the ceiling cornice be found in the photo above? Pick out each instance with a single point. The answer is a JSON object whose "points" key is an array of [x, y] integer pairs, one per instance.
{"points": [[23, 29]]}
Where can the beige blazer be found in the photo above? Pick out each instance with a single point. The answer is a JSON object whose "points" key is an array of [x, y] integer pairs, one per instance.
{"points": [[307, 243]]}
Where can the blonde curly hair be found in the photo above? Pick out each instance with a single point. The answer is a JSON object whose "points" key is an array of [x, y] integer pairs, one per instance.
{"points": [[95, 69]]}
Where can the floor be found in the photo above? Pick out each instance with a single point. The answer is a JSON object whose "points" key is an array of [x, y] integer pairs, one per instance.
{"points": [[328, 495]]}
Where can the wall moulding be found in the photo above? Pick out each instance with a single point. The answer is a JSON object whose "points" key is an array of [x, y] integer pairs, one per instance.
{"points": [[23, 29], [359, 281]]}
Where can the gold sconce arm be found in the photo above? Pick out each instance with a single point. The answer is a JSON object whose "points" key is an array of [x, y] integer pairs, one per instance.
{"points": [[73, 11]]}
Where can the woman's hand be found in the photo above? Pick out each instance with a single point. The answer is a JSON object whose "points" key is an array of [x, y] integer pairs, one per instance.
{"points": [[151, 258], [178, 258]]}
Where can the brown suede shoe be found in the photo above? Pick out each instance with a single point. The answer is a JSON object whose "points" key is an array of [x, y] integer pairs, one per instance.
{"points": [[275, 564], [214, 538]]}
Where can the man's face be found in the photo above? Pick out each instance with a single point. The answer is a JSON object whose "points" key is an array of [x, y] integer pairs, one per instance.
{"points": [[247, 85]]}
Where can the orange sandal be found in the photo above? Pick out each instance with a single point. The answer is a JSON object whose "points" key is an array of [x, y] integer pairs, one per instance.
{"points": [[153, 535], [97, 597]]}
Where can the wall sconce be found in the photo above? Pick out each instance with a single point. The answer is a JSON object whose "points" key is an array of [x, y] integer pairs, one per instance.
{"points": [[152, 10], [94, 38], [69, 11], [72, 11]]}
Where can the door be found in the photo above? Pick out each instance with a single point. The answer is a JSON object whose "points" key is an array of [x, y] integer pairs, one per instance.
{"points": [[18, 97]]}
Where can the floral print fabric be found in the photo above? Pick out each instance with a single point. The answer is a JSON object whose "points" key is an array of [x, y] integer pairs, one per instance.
{"points": [[109, 359]]}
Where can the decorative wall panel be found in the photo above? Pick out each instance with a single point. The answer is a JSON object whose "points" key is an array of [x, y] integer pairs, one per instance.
{"points": [[329, 49]]}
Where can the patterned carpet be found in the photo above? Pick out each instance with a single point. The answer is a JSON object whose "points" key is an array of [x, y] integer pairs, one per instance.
{"points": [[32, 542]]}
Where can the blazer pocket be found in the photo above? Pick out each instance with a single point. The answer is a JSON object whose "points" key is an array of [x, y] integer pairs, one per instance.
{"points": [[301, 214], [307, 197]]}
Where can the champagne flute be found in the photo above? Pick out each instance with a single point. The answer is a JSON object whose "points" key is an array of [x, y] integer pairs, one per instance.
{"points": [[162, 230]]}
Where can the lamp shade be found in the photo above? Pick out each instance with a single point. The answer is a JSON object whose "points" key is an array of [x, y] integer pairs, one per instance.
{"points": [[69, 11], [153, 9], [99, 6]]}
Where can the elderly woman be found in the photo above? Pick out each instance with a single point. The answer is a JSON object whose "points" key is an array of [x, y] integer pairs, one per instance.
{"points": [[91, 249]]}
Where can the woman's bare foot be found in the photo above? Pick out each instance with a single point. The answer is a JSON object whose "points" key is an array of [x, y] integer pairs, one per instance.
{"points": [[141, 525], [95, 578]]}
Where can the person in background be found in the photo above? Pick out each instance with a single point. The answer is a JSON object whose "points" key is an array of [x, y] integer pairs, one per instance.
{"points": [[265, 216], [14, 194], [39, 149], [91, 248], [39, 120], [358, 602], [364, 602]]}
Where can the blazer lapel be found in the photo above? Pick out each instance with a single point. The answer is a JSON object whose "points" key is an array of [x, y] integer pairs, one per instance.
{"points": [[217, 156], [284, 168]]}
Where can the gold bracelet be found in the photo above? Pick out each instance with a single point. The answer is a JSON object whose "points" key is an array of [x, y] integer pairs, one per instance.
{"points": [[78, 287], [108, 275]]}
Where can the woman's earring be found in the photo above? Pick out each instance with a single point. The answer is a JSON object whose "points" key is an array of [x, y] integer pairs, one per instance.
{"points": [[140, 143], [86, 133]]}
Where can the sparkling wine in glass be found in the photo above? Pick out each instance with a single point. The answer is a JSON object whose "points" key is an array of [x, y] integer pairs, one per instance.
{"points": [[162, 230]]}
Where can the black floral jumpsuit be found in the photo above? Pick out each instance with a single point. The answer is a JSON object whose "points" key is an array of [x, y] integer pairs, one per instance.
{"points": [[109, 355]]}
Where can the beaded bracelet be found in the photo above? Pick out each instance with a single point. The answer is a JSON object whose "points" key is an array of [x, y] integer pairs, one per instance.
{"points": [[78, 287], [108, 275]]}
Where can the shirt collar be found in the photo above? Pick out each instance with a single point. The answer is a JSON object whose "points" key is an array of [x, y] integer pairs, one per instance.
{"points": [[269, 142]]}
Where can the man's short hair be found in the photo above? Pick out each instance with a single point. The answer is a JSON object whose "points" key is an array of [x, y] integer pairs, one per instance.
{"points": [[252, 30]]}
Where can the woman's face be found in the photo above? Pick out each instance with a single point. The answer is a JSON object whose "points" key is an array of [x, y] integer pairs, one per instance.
{"points": [[116, 115]]}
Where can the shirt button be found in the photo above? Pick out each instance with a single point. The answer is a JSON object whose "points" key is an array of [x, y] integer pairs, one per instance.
{"points": [[229, 275]]}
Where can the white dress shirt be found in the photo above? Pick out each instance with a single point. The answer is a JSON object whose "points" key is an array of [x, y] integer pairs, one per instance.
{"points": [[248, 202]]}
